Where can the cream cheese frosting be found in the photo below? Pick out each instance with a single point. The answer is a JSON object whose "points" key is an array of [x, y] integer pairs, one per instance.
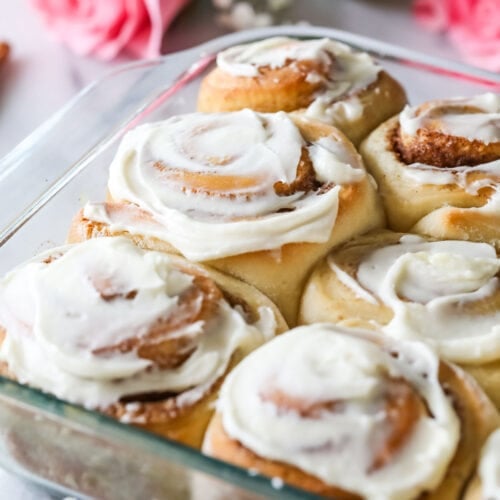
{"points": [[489, 468], [454, 117], [347, 71], [62, 310], [208, 182], [431, 288], [319, 364]]}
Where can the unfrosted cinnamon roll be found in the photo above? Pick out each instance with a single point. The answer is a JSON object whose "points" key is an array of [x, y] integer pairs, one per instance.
{"points": [[141, 336], [347, 414], [438, 168], [258, 196], [485, 485], [445, 293], [323, 79]]}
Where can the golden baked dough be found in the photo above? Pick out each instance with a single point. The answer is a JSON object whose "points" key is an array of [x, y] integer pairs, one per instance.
{"points": [[352, 100], [478, 419], [432, 179], [403, 408], [219, 445], [473, 491], [278, 271], [485, 483], [336, 292], [168, 347], [461, 223]]}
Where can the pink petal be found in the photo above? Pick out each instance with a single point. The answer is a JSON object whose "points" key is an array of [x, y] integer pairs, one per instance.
{"points": [[54, 7], [105, 28], [135, 18], [461, 10], [481, 52], [68, 22], [147, 43], [432, 14], [486, 19]]}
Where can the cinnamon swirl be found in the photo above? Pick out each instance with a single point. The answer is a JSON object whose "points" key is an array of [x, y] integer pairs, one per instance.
{"points": [[438, 168], [348, 414], [258, 196], [141, 336], [444, 293], [323, 79]]}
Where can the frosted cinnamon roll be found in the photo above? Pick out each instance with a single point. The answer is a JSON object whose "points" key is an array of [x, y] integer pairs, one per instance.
{"points": [[485, 485], [444, 293], [140, 336], [346, 414], [323, 79], [438, 168], [258, 196]]}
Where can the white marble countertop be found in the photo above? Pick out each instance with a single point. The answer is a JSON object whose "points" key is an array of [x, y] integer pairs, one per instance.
{"points": [[42, 75]]}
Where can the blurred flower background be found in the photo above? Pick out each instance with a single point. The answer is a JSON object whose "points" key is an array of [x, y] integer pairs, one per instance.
{"points": [[105, 29], [473, 26], [59, 46]]}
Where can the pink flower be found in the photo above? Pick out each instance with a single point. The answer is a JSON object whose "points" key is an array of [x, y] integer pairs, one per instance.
{"points": [[105, 28], [472, 25], [434, 15]]}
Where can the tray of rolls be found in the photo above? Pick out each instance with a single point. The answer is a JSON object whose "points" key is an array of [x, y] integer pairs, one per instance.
{"points": [[265, 267]]}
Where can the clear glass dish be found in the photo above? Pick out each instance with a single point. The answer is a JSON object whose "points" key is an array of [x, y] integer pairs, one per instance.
{"points": [[48, 178]]}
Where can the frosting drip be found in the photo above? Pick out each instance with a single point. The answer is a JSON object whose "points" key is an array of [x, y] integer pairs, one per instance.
{"points": [[489, 467], [314, 398], [343, 72], [210, 183], [75, 325], [432, 289]]}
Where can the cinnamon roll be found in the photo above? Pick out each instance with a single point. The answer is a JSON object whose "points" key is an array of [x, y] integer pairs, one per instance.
{"points": [[257, 196], [444, 293], [485, 485], [438, 168], [348, 414], [141, 336], [323, 79]]}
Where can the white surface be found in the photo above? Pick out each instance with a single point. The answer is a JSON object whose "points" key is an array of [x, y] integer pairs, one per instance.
{"points": [[42, 75], [11, 487]]}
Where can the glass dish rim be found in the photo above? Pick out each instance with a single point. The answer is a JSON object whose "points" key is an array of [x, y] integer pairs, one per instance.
{"points": [[157, 445], [361, 42]]}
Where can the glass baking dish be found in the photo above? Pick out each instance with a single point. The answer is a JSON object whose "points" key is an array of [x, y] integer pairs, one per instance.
{"points": [[44, 182]]}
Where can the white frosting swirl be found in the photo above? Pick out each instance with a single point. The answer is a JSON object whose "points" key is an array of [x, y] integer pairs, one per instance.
{"points": [[429, 174], [429, 286], [325, 364], [489, 468], [208, 181], [453, 117], [276, 52], [60, 314], [450, 117], [345, 72]]}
